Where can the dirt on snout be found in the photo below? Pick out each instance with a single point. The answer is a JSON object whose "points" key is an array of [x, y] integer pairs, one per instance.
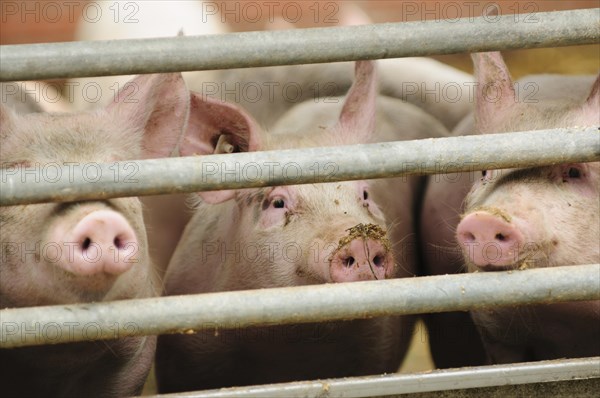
{"points": [[365, 231]]}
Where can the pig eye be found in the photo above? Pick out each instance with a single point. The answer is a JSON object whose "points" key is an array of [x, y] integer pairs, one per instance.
{"points": [[574, 172], [278, 203], [365, 195], [483, 173]]}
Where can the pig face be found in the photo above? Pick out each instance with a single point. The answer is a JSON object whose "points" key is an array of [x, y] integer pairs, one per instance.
{"points": [[535, 217], [93, 250], [324, 232], [314, 233]]}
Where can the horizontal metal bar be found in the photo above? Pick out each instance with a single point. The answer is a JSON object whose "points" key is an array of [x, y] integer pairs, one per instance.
{"points": [[300, 46], [437, 380], [230, 310], [55, 182]]}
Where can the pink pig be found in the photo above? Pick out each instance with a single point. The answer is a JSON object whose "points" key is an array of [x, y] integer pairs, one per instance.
{"points": [[87, 251], [299, 235], [522, 218]]}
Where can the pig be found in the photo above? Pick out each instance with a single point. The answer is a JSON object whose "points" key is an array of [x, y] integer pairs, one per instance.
{"points": [[524, 218], [339, 232], [84, 251]]}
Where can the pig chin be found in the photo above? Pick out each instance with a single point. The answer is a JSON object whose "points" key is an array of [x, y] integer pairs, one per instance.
{"points": [[91, 288], [81, 288], [524, 260]]}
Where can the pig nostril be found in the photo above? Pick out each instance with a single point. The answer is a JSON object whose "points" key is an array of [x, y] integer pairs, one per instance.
{"points": [[469, 237], [378, 261], [500, 237], [117, 242], [348, 262], [86, 244]]}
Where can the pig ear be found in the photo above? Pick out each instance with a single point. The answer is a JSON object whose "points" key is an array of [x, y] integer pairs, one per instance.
{"points": [[157, 104], [218, 127], [495, 91], [356, 123], [210, 119]]}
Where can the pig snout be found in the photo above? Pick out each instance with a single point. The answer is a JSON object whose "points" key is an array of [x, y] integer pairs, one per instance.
{"points": [[101, 242], [488, 239], [361, 260]]}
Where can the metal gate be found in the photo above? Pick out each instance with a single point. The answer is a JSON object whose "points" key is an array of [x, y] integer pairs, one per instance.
{"points": [[31, 326]]}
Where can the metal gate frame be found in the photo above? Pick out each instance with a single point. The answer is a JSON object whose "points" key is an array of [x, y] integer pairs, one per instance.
{"points": [[54, 324]]}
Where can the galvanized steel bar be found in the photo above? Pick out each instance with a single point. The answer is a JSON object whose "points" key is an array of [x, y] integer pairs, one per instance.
{"points": [[437, 380], [301, 46], [230, 310], [55, 183]]}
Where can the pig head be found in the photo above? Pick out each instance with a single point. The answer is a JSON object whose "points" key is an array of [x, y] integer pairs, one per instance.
{"points": [[318, 218], [533, 217]]}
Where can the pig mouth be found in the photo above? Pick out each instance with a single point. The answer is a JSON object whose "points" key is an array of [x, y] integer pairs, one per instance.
{"points": [[492, 267], [527, 259], [94, 286]]}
